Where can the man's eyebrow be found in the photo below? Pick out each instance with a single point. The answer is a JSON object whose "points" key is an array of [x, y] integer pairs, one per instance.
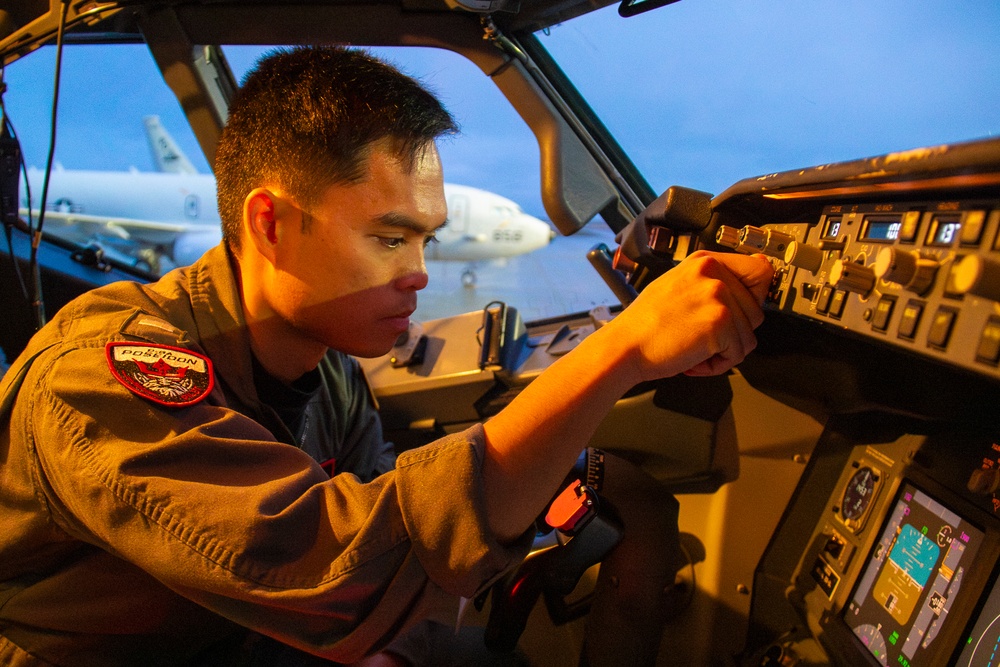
{"points": [[406, 222]]}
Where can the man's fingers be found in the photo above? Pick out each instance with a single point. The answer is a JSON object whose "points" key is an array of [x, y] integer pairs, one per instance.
{"points": [[700, 317], [753, 271], [747, 279]]}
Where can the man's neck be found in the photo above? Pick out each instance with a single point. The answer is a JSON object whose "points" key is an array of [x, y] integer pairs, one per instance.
{"points": [[283, 351], [280, 351]]}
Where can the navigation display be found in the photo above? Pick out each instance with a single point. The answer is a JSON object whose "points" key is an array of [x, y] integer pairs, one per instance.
{"points": [[912, 576], [982, 647]]}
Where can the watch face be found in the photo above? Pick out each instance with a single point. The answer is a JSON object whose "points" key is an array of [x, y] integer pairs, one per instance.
{"points": [[858, 495]]}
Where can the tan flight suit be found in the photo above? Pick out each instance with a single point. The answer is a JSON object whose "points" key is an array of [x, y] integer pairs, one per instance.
{"points": [[136, 531]]}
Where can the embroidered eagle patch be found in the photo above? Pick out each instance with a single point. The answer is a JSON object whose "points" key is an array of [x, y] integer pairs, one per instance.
{"points": [[167, 375]]}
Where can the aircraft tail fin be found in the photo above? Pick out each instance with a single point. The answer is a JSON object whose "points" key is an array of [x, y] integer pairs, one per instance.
{"points": [[167, 155]]}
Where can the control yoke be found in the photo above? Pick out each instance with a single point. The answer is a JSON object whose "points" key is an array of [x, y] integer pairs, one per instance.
{"points": [[647, 245], [585, 528]]}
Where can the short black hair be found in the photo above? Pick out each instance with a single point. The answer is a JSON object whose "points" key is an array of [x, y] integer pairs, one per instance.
{"points": [[305, 118]]}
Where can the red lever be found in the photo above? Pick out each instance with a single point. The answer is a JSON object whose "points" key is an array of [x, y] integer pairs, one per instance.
{"points": [[569, 507]]}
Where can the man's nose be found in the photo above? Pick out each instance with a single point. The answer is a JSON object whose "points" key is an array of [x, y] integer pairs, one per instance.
{"points": [[414, 273]]}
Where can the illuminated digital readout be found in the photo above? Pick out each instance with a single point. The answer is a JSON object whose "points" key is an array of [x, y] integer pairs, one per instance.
{"points": [[832, 228], [911, 579], [882, 230], [944, 232]]}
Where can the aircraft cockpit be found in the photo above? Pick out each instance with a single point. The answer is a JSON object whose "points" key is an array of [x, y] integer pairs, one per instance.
{"points": [[831, 501]]}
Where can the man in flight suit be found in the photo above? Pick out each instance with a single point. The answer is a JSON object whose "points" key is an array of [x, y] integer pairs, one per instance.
{"points": [[166, 450]]}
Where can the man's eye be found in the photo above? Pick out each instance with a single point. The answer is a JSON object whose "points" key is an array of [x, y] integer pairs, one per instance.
{"points": [[393, 242]]}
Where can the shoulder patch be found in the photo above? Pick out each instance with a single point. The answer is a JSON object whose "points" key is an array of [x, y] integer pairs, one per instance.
{"points": [[167, 375]]}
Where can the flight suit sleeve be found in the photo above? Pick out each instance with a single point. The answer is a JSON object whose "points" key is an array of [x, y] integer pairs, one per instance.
{"points": [[207, 502]]}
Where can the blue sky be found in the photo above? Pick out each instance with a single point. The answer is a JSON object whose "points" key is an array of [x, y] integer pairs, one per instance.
{"points": [[701, 93]]}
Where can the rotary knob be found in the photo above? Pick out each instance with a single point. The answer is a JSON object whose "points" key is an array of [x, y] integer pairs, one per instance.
{"points": [[907, 268], [728, 237], [977, 275], [984, 481], [766, 241], [804, 256], [852, 277]]}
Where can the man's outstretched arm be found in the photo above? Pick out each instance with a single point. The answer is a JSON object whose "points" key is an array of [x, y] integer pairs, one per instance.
{"points": [[697, 319]]}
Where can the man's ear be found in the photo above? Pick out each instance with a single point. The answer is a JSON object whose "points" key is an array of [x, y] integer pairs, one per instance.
{"points": [[260, 221]]}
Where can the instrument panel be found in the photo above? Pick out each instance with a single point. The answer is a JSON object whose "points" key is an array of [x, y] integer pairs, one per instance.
{"points": [[902, 582], [921, 275], [886, 323]]}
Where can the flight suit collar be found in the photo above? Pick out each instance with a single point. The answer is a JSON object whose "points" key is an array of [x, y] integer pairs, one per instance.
{"points": [[218, 314], [222, 328]]}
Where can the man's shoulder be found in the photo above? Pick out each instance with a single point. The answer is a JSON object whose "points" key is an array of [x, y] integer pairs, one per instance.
{"points": [[145, 326], [119, 332], [160, 311], [122, 309], [118, 311]]}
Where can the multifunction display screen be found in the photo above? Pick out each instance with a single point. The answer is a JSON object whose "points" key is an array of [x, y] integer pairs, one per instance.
{"points": [[912, 577], [983, 646]]}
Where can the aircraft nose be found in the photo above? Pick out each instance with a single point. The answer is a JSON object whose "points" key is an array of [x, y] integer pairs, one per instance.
{"points": [[538, 232]]}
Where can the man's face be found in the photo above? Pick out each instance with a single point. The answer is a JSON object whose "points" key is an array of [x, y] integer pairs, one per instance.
{"points": [[349, 280]]}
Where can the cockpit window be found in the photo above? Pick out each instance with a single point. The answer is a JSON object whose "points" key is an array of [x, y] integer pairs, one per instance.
{"points": [[107, 194], [698, 94], [131, 184], [703, 94]]}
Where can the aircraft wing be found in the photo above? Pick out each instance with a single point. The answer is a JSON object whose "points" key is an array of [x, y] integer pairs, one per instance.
{"points": [[80, 227], [157, 246]]}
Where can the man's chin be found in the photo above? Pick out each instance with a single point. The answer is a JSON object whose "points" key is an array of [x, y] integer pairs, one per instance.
{"points": [[377, 341], [369, 349], [371, 354]]}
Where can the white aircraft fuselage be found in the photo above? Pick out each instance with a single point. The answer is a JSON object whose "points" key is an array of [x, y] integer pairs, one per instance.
{"points": [[177, 214]]}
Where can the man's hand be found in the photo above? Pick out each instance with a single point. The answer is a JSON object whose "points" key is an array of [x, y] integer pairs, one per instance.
{"points": [[699, 317]]}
